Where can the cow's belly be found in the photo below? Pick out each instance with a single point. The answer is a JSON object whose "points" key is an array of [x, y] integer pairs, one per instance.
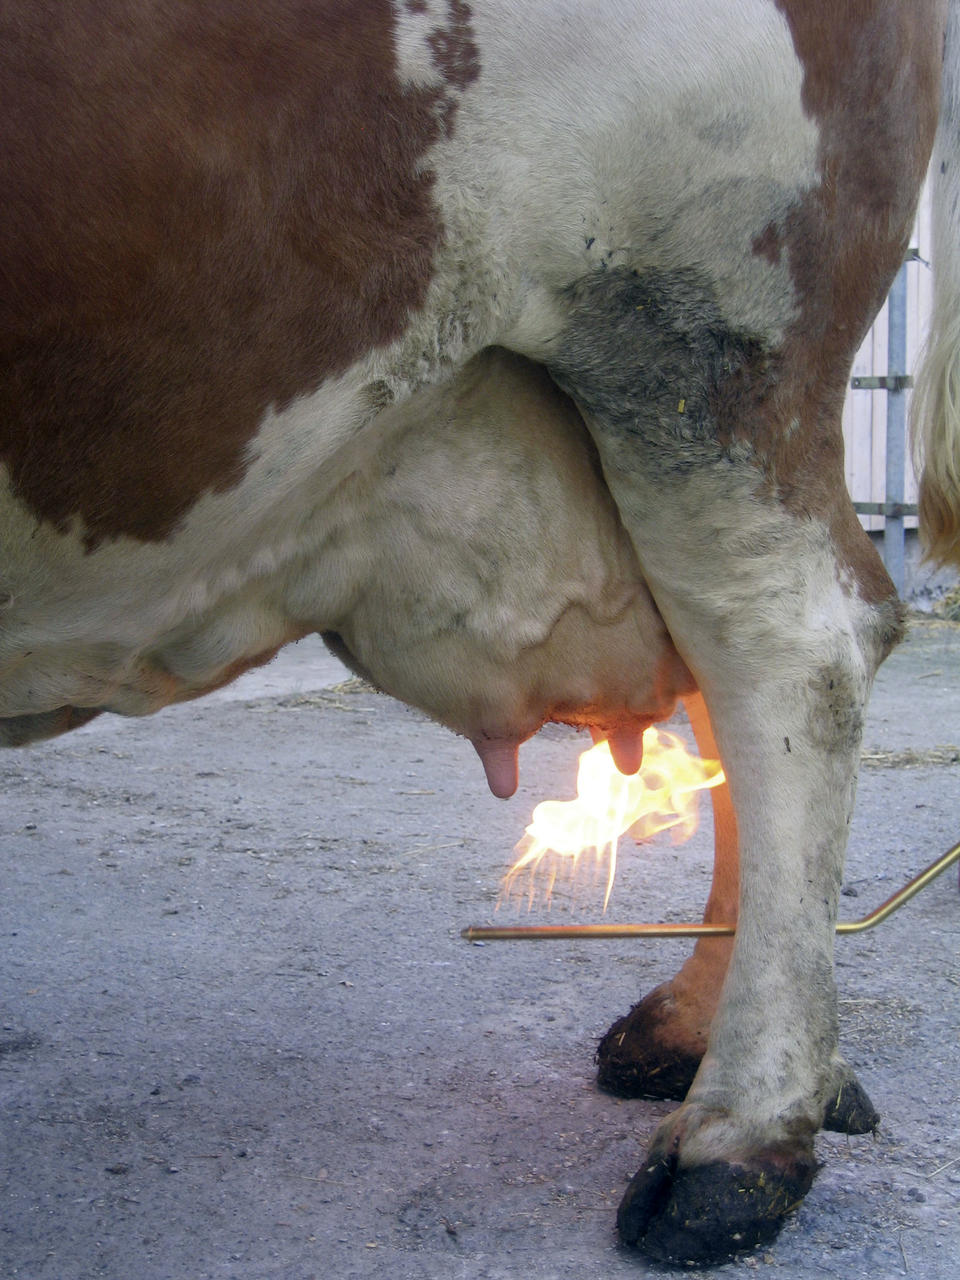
{"points": [[463, 550]]}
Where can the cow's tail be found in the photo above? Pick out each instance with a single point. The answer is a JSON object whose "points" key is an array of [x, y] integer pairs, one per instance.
{"points": [[936, 402]]}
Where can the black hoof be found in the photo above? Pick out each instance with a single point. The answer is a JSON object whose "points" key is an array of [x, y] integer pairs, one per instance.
{"points": [[710, 1213], [635, 1060], [849, 1109], [632, 1062]]}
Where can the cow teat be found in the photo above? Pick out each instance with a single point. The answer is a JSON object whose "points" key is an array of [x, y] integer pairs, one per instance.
{"points": [[499, 759], [626, 748]]}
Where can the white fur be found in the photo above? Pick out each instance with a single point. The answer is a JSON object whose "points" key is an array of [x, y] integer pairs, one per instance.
{"points": [[416, 63], [604, 124]]}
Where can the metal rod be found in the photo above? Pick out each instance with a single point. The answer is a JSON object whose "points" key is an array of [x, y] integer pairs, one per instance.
{"points": [[893, 536], [518, 933], [909, 890]]}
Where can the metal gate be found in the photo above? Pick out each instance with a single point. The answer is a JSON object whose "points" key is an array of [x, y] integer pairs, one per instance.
{"points": [[879, 471]]}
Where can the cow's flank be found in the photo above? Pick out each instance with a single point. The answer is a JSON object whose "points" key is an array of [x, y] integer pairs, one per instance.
{"points": [[204, 217]]}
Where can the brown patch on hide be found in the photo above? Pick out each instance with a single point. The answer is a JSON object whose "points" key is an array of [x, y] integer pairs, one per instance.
{"points": [[455, 54], [17, 731], [208, 210], [769, 245], [871, 83]]}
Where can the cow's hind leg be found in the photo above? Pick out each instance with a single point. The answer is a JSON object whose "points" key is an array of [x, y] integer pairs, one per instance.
{"points": [[782, 612], [655, 1050]]}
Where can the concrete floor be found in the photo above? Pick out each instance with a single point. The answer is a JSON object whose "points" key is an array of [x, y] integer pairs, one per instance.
{"points": [[240, 1036]]}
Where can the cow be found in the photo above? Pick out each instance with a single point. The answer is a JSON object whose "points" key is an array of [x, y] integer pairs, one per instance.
{"points": [[504, 344]]}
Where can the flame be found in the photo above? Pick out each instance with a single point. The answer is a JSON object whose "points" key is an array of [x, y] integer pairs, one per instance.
{"points": [[661, 796]]}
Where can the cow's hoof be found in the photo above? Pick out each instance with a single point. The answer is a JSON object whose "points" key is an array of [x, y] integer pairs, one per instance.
{"points": [[651, 1052], [710, 1213], [640, 1057], [849, 1109]]}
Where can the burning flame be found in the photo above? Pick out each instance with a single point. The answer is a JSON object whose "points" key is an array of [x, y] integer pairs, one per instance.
{"points": [[662, 795]]}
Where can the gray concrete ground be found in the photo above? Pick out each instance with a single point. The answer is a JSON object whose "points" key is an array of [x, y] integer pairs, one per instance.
{"points": [[241, 1038]]}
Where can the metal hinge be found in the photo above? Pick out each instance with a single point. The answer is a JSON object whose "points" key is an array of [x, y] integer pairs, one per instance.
{"points": [[892, 382]]}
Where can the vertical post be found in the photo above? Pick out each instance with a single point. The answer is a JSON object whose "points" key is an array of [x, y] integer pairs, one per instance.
{"points": [[893, 536]]}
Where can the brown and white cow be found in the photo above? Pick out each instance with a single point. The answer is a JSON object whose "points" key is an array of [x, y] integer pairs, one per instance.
{"points": [[504, 342]]}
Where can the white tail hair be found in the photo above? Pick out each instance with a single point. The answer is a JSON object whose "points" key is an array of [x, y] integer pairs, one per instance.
{"points": [[935, 413]]}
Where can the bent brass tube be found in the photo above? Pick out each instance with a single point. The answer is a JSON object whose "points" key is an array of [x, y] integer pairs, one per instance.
{"points": [[536, 932]]}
